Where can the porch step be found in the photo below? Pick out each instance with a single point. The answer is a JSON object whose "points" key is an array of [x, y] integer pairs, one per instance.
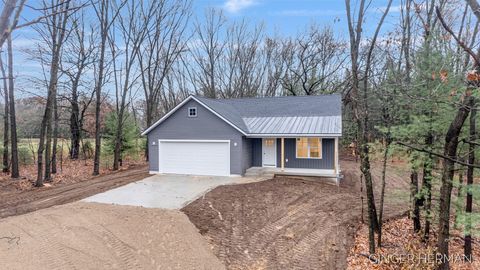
{"points": [[268, 171], [258, 171]]}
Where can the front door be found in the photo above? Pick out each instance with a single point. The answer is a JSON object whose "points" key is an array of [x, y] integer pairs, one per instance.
{"points": [[269, 149]]}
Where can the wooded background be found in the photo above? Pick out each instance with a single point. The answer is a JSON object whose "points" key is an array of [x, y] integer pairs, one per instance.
{"points": [[109, 69]]}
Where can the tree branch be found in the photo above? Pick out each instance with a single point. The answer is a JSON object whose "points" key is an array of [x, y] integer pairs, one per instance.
{"points": [[419, 149], [457, 39]]}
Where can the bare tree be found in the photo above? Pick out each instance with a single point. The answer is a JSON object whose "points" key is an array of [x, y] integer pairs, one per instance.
{"points": [[162, 48], [77, 59], [207, 51], [465, 108], [360, 103], [9, 18], [242, 67], [6, 164], [314, 62], [13, 121], [470, 170], [275, 53], [56, 27], [53, 165], [106, 14], [133, 33]]}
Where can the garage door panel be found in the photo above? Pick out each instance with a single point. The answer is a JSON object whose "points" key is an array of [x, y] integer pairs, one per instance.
{"points": [[198, 157]]}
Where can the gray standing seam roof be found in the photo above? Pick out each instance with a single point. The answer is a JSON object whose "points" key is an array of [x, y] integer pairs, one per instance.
{"points": [[282, 115]]}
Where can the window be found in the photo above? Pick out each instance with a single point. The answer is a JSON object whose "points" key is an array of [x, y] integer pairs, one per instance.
{"points": [[192, 112], [269, 142], [309, 148]]}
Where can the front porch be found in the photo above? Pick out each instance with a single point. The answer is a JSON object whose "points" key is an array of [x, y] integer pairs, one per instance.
{"points": [[271, 172], [283, 156]]}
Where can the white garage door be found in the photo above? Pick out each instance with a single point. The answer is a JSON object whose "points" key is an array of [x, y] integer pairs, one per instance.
{"points": [[194, 157]]}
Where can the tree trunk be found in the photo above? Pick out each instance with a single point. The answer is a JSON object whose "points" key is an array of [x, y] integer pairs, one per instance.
{"points": [[58, 37], [48, 146], [117, 153], [149, 123], [55, 137], [6, 165], [450, 150], [118, 141], [382, 194], [13, 121], [41, 144], [459, 200], [98, 88], [75, 129], [372, 212], [415, 201], [468, 207], [427, 189], [7, 11]]}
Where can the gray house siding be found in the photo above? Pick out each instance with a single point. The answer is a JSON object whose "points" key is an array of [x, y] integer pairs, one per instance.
{"points": [[326, 162], [256, 152], [247, 154], [206, 126]]}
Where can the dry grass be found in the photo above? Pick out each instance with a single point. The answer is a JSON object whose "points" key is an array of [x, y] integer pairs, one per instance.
{"points": [[69, 171]]}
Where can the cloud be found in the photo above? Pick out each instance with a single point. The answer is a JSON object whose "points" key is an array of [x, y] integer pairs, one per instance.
{"points": [[393, 9], [235, 6], [309, 12], [22, 42]]}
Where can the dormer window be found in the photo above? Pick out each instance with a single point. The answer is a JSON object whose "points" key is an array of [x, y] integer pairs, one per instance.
{"points": [[192, 112]]}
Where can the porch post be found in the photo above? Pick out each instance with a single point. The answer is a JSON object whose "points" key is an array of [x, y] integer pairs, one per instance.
{"points": [[283, 152], [336, 165]]}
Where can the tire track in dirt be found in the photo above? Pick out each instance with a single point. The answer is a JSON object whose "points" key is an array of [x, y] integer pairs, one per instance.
{"points": [[124, 252], [57, 260], [300, 218], [32, 200], [287, 223]]}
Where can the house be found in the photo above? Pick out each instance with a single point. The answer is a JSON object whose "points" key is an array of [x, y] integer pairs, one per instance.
{"points": [[204, 136]]}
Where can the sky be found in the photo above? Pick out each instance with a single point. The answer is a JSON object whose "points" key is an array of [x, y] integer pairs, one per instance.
{"points": [[291, 16], [280, 17]]}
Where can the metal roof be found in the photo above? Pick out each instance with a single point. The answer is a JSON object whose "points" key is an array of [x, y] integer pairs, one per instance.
{"points": [[294, 125], [294, 115]]}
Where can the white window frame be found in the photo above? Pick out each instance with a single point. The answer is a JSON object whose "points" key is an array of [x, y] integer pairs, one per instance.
{"points": [[308, 149], [192, 108]]}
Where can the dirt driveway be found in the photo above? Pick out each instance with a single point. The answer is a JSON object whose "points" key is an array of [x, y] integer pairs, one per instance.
{"points": [[17, 203], [286, 223], [99, 236]]}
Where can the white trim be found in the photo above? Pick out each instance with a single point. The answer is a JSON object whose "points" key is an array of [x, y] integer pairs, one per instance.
{"points": [[159, 156], [166, 116], [217, 114], [153, 172], [321, 149], [195, 110], [288, 135], [275, 147], [179, 106], [187, 140], [337, 163]]}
